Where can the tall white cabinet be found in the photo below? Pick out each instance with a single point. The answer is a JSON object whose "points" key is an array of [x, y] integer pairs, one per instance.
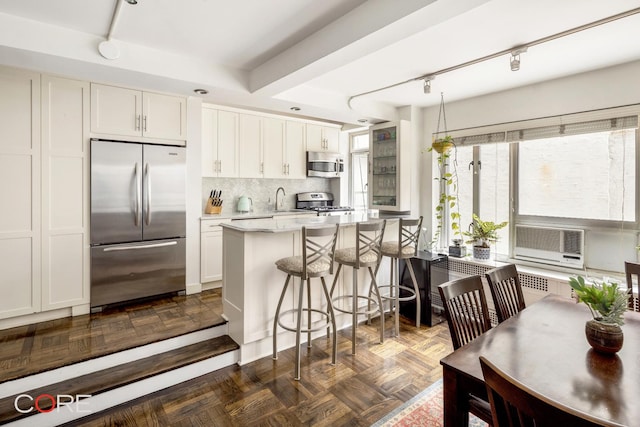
{"points": [[65, 198], [20, 155], [44, 162]]}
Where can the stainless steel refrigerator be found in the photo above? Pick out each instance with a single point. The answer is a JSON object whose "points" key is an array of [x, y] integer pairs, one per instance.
{"points": [[137, 221]]}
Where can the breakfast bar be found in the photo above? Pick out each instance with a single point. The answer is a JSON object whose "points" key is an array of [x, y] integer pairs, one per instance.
{"points": [[252, 284]]}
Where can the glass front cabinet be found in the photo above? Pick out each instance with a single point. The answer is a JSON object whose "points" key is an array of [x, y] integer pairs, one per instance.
{"points": [[390, 167]]}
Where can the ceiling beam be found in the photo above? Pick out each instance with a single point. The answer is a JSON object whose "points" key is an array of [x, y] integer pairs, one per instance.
{"points": [[371, 26]]}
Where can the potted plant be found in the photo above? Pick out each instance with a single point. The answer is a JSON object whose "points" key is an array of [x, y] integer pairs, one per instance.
{"points": [[482, 234], [442, 145], [448, 186], [607, 304]]}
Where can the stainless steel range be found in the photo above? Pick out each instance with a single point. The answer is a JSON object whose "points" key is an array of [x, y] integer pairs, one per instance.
{"points": [[321, 203]]}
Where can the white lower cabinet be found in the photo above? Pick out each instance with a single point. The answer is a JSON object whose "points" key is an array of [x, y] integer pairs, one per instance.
{"points": [[211, 251]]}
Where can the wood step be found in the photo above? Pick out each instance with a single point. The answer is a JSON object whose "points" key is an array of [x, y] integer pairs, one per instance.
{"points": [[119, 376]]}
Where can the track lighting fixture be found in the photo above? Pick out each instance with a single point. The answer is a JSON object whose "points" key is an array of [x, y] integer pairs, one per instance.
{"points": [[514, 51], [515, 58], [427, 84]]}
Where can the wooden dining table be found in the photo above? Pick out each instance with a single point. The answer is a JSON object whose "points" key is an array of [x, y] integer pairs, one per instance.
{"points": [[545, 348]]}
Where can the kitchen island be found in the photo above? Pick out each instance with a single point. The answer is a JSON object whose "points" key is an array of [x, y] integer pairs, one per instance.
{"points": [[252, 284]]}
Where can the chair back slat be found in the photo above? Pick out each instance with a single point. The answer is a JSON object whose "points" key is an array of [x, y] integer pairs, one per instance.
{"points": [[409, 234], [632, 270], [465, 307], [513, 404], [369, 237], [506, 291], [318, 245]]}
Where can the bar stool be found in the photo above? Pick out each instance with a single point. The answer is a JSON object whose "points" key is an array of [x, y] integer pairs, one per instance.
{"points": [[405, 248], [367, 254], [318, 251]]}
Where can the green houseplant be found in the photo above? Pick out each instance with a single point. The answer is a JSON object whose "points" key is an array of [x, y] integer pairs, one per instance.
{"points": [[607, 304], [482, 234], [448, 188]]}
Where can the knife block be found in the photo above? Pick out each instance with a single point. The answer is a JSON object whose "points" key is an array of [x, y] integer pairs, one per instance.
{"points": [[210, 208]]}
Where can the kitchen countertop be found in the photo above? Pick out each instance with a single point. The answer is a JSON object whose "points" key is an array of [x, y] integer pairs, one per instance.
{"points": [[256, 214], [275, 225]]}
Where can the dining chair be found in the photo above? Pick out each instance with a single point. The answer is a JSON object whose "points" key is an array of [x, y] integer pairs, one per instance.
{"points": [[316, 261], [465, 307], [513, 404], [506, 291], [632, 270]]}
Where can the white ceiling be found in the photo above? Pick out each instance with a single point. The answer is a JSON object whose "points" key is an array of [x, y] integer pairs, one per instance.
{"points": [[272, 54]]}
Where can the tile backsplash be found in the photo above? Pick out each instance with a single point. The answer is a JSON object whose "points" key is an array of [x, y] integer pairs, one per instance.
{"points": [[261, 191]]}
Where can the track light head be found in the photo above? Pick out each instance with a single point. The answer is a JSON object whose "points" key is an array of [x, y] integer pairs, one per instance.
{"points": [[427, 84], [515, 58]]}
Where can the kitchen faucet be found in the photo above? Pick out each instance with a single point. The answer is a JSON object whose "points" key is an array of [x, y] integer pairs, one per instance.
{"points": [[283, 194]]}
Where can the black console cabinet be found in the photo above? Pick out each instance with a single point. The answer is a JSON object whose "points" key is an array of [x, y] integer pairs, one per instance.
{"points": [[431, 270]]}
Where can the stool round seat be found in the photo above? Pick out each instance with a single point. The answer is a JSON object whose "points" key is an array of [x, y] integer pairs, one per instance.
{"points": [[294, 265], [348, 256], [318, 251], [390, 249]]}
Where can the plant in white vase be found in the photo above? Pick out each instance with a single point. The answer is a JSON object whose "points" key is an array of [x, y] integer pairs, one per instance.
{"points": [[482, 234]]}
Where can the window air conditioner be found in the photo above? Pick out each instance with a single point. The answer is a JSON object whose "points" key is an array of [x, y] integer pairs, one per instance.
{"points": [[556, 246]]}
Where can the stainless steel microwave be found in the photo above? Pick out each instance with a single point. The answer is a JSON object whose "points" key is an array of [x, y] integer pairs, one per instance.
{"points": [[324, 165]]}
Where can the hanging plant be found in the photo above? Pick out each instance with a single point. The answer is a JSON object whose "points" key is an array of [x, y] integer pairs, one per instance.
{"points": [[447, 181]]}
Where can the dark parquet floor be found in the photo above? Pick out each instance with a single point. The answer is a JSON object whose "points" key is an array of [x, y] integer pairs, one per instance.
{"points": [[41, 346], [358, 391]]}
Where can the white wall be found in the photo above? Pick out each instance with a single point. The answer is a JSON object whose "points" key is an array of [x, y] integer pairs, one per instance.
{"points": [[194, 188]]}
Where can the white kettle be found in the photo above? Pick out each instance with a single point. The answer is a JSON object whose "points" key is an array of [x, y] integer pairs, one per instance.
{"points": [[244, 204]]}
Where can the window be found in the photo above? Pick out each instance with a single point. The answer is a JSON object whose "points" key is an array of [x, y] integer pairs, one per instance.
{"points": [[359, 170], [589, 176], [571, 171]]}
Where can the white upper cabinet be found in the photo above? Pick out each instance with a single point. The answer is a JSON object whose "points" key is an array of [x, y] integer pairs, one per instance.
{"points": [[296, 152], [323, 138], [250, 143], [127, 112], [274, 156], [219, 143]]}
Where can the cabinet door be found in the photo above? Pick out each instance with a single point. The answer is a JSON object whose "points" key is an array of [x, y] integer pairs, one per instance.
{"points": [[227, 144], [20, 192], [65, 200], [296, 154], [314, 138], [164, 116], [331, 138], [273, 148], [250, 145], [209, 142], [211, 255], [116, 111]]}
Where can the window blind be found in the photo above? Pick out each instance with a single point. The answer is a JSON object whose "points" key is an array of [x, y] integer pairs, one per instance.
{"points": [[486, 138], [593, 126]]}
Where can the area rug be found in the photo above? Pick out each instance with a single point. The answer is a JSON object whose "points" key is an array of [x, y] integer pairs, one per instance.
{"points": [[425, 409]]}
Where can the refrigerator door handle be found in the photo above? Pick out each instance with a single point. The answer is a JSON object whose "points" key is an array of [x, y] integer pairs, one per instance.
{"points": [[147, 179], [129, 248], [137, 219]]}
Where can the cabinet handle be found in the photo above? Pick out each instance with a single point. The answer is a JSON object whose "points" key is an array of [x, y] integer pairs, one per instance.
{"points": [[262, 167], [284, 169], [144, 123], [219, 165], [288, 168], [138, 122]]}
